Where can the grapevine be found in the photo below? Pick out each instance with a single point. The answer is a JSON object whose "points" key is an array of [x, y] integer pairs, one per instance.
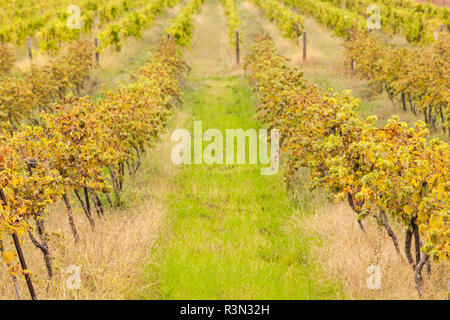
{"points": [[233, 19], [181, 28], [391, 173], [68, 152]]}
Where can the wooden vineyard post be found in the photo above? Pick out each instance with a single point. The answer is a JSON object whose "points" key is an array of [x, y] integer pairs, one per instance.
{"points": [[24, 266], [441, 27], [168, 36], [297, 30], [70, 216], [404, 101], [20, 254], [86, 197], [97, 53], [30, 49], [304, 45], [237, 47]]}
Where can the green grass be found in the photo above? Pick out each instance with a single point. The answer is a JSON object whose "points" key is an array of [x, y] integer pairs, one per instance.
{"points": [[230, 232]]}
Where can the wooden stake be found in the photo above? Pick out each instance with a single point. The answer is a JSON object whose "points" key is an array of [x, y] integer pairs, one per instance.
{"points": [[237, 47], [86, 197], [70, 216], [24, 266], [304, 45], [30, 49], [97, 53], [297, 30], [20, 254]]}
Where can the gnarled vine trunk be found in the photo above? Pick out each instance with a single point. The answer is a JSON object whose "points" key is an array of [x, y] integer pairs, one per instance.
{"points": [[70, 216]]}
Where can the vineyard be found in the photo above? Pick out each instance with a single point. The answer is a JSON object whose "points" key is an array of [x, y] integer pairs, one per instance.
{"points": [[94, 94]]}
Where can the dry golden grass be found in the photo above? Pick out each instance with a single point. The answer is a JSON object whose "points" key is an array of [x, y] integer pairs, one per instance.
{"points": [[209, 58], [39, 60], [345, 253], [109, 256]]}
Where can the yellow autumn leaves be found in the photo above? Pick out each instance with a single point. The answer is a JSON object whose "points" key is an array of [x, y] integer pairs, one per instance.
{"points": [[392, 169], [42, 86], [181, 28], [418, 78], [81, 139]]}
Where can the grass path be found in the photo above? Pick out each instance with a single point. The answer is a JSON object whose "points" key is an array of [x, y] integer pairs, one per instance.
{"points": [[229, 233]]}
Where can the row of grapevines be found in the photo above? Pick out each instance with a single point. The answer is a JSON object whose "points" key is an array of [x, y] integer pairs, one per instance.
{"points": [[416, 25], [48, 19], [181, 28], [428, 10], [93, 14], [233, 19], [340, 21], [412, 24], [390, 7], [20, 18], [415, 77], [391, 172], [77, 144], [21, 95], [133, 23], [289, 22], [419, 78], [116, 19]]}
